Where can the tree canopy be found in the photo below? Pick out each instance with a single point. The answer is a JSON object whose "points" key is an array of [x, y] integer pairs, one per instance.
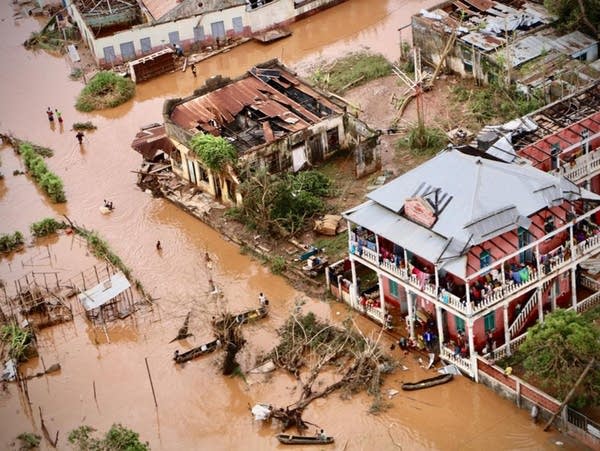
{"points": [[557, 351], [281, 203], [576, 14], [214, 151]]}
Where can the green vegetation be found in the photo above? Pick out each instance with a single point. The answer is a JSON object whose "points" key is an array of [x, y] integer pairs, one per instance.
{"points": [[497, 102], [423, 141], [556, 352], [278, 264], [105, 90], [39, 150], [213, 151], [18, 340], [280, 204], [118, 438], [46, 226], [84, 126], [352, 70], [102, 250], [29, 440], [576, 15], [10, 242], [335, 247], [48, 181]]}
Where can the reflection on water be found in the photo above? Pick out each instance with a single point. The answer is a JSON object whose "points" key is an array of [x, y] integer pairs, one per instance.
{"points": [[104, 378]]}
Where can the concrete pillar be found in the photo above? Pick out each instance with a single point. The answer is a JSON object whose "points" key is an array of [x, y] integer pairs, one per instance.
{"points": [[354, 287], [440, 326], [540, 307], [574, 287], [473, 353], [410, 299], [381, 295], [553, 291], [506, 329]]}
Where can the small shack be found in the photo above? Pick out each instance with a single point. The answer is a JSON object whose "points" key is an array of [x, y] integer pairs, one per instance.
{"points": [[152, 65], [109, 300]]}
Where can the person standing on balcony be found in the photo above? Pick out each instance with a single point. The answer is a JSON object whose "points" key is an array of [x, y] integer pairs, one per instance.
{"points": [[489, 339]]}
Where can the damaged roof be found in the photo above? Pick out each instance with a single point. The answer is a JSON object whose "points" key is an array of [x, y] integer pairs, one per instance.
{"points": [[271, 100], [165, 10]]}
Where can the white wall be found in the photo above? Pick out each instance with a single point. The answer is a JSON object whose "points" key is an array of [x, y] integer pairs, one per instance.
{"points": [[270, 14]]}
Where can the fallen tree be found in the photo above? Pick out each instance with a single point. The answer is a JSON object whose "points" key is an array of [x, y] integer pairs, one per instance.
{"points": [[308, 347]]}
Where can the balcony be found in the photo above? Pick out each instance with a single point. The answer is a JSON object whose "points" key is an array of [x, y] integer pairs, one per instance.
{"points": [[553, 263], [581, 168]]}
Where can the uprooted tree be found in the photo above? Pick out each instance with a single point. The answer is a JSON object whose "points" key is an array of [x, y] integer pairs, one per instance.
{"points": [[228, 330], [309, 347]]}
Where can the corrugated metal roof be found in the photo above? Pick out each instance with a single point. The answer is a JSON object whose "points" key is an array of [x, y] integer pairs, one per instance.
{"points": [[104, 291], [573, 43], [479, 187], [177, 9], [158, 8], [409, 235], [221, 106]]}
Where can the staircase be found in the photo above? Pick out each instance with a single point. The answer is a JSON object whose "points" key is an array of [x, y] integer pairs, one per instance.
{"points": [[521, 319]]}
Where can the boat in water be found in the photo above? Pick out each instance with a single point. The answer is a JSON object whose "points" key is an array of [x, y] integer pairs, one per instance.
{"points": [[426, 383], [287, 439], [206, 348]]}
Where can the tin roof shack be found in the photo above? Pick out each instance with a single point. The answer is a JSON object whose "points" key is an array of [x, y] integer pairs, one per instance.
{"points": [[152, 65], [490, 40], [274, 120], [123, 30]]}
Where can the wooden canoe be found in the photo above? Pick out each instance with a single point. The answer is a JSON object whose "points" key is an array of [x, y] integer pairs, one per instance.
{"points": [[426, 383], [206, 348], [303, 439], [244, 317]]}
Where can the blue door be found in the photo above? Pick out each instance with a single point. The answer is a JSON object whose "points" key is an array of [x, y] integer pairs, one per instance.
{"points": [[174, 37], [199, 33], [146, 45], [238, 25], [109, 54], [218, 30], [127, 51]]}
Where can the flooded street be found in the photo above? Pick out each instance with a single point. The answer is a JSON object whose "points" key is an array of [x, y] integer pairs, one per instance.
{"points": [[197, 407]]}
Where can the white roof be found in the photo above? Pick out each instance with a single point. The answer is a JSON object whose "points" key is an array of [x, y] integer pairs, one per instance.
{"points": [[104, 291], [477, 199]]}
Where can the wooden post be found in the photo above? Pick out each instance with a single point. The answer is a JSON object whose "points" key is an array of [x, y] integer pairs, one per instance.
{"points": [[151, 384], [564, 403]]}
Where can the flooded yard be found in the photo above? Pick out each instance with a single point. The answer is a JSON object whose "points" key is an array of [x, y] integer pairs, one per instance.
{"points": [[104, 378]]}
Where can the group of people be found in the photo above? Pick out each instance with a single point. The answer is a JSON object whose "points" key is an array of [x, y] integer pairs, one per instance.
{"points": [[262, 300], [461, 347], [108, 204], [51, 113]]}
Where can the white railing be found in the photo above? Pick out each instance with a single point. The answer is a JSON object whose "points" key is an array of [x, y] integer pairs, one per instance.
{"points": [[375, 313], [502, 351], [524, 314], [589, 283], [454, 301], [464, 364], [584, 166], [587, 303]]}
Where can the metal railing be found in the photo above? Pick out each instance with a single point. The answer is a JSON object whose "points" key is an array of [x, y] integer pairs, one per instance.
{"points": [[462, 363], [582, 422]]}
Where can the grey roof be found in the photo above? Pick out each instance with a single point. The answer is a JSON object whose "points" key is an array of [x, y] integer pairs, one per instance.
{"points": [[477, 199], [410, 236], [103, 292]]}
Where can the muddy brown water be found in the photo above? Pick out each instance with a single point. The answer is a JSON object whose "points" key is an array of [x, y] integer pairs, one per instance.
{"points": [[197, 407]]}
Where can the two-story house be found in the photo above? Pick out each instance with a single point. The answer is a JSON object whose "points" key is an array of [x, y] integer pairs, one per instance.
{"points": [[471, 247]]}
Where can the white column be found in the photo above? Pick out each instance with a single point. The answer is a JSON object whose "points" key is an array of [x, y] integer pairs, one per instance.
{"points": [[553, 291], [473, 353], [381, 295], [411, 314], [440, 326], [573, 287], [377, 249], [354, 287], [506, 329], [540, 306]]}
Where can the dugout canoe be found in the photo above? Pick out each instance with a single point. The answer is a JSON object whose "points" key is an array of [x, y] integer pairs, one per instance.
{"points": [[426, 383], [206, 348], [244, 317], [303, 440]]}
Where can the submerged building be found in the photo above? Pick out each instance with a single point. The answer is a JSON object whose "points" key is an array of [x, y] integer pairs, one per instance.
{"points": [[273, 119], [122, 30]]}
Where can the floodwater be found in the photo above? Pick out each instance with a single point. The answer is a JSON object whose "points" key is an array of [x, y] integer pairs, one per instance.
{"points": [[104, 378]]}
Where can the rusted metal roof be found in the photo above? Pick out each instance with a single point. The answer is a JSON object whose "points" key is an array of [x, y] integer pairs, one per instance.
{"points": [[219, 109], [158, 8], [481, 5], [178, 9], [151, 140]]}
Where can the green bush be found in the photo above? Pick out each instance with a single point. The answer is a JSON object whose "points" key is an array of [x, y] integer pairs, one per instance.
{"points": [[105, 90], [352, 70], [118, 438], [423, 140], [214, 151], [46, 226], [278, 264], [10, 242], [48, 181]]}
